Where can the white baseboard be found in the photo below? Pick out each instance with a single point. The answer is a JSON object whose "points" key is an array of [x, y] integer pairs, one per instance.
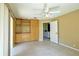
{"points": [[69, 47]]}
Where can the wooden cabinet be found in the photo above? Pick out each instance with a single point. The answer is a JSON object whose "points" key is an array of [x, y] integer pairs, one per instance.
{"points": [[27, 30], [22, 37], [22, 30], [18, 22], [22, 26], [34, 29]]}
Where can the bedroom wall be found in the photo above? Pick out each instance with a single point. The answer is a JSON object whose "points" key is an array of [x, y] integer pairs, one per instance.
{"points": [[69, 29], [1, 28]]}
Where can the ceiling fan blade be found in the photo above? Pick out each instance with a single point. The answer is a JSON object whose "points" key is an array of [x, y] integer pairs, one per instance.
{"points": [[44, 10], [54, 8], [54, 12], [48, 11], [37, 9]]}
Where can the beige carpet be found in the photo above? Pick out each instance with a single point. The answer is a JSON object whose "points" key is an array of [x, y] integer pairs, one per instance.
{"points": [[45, 48]]}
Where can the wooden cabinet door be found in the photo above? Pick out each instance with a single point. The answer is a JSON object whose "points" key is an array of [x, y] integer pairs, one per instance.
{"points": [[22, 31], [18, 38], [22, 37], [34, 30]]}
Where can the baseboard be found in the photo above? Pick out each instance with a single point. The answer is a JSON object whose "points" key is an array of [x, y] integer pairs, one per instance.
{"points": [[69, 47]]}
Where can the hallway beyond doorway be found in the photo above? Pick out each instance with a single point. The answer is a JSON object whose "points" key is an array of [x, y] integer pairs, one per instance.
{"points": [[46, 31]]}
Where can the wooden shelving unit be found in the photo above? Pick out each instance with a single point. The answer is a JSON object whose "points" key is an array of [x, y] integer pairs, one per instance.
{"points": [[26, 30], [22, 30], [22, 26]]}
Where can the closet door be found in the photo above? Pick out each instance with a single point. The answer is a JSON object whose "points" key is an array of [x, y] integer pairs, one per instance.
{"points": [[34, 30]]}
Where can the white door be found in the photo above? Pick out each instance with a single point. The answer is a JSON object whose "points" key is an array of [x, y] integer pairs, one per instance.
{"points": [[54, 31]]}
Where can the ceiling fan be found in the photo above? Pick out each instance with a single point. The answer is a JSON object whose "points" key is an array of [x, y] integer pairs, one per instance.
{"points": [[46, 11]]}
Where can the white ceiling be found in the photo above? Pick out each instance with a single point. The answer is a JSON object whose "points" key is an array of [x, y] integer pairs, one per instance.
{"points": [[31, 10]]}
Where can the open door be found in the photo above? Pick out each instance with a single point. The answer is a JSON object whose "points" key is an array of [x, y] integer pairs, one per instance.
{"points": [[54, 31]]}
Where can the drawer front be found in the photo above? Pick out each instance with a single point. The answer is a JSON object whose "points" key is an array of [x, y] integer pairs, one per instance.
{"points": [[18, 38], [22, 37], [26, 37]]}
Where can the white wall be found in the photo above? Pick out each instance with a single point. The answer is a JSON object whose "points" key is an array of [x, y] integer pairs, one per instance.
{"points": [[1, 28], [4, 30]]}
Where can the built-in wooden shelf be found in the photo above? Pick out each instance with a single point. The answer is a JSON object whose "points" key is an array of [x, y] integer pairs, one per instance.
{"points": [[21, 32], [26, 30], [23, 26]]}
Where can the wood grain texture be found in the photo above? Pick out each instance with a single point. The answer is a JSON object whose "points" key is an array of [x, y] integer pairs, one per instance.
{"points": [[34, 29], [28, 36]]}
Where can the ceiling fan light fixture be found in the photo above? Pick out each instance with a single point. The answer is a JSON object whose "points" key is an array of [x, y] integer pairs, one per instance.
{"points": [[46, 15]]}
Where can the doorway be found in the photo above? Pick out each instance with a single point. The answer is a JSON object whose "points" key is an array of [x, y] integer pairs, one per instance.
{"points": [[54, 31], [46, 31]]}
